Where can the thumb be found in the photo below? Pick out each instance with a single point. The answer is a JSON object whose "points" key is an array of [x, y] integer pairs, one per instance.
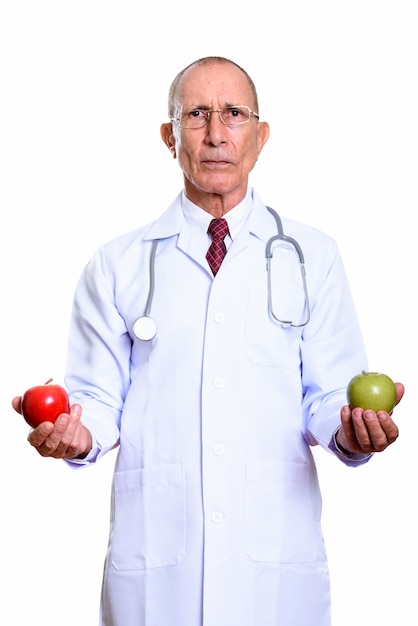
{"points": [[17, 404]]}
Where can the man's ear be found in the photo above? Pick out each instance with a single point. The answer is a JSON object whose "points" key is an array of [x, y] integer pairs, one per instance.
{"points": [[263, 134], [167, 136]]}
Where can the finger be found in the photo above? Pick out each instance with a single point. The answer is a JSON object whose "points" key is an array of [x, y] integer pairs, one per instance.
{"points": [[362, 434], [388, 426], [69, 444], [400, 390], [349, 433], [38, 435], [377, 436], [64, 441], [75, 411], [17, 404], [381, 431], [47, 436], [60, 437], [74, 447]]}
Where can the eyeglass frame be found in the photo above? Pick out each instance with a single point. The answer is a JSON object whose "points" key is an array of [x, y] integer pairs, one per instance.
{"points": [[208, 113]]}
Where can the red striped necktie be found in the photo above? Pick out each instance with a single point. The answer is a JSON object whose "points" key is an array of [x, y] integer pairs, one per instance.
{"points": [[218, 229]]}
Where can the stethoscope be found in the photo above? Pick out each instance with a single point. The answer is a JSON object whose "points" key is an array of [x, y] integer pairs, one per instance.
{"points": [[269, 255], [145, 327]]}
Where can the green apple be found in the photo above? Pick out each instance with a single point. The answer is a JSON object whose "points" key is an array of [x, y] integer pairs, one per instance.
{"points": [[371, 390]]}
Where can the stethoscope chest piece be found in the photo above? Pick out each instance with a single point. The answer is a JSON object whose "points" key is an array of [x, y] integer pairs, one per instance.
{"points": [[144, 328]]}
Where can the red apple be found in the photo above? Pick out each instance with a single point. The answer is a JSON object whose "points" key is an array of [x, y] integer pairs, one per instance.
{"points": [[44, 403], [371, 390]]}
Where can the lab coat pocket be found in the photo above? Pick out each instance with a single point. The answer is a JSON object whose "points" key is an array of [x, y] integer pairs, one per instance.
{"points": [[282, 513], [148, 525]]}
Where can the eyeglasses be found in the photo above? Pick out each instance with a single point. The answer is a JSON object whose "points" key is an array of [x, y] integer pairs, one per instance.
{"points": [[230, 116]]}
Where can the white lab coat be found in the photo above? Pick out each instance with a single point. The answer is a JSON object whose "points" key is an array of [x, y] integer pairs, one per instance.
{"points": [[216, 508]]}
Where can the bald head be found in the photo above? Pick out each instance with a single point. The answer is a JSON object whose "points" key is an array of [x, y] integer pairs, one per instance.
{"points": [[174, 96]]}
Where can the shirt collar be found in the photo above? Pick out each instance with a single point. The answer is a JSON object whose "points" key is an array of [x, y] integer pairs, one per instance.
{"points": [[197, 217], [170, 223]]}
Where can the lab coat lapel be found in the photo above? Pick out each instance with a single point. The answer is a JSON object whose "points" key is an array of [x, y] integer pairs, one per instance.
{"points": [[172, 223]]}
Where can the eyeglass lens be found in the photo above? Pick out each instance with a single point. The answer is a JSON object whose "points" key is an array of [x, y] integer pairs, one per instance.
{"points": [[230, 116]]}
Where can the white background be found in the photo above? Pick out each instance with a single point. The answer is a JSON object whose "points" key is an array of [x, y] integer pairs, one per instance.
{"points": [[83, 92]]}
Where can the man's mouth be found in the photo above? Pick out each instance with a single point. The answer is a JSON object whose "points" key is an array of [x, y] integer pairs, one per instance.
{"points": [[216, 163]]}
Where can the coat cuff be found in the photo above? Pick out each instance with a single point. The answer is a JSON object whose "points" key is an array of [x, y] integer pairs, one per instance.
{"points": [[350, 458]]}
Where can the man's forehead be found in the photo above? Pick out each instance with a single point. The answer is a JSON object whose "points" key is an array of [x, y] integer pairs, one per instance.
{"points": [[221, 81]]}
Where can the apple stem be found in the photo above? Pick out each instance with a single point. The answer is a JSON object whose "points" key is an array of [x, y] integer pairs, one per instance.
{"points": [[49, 381]]}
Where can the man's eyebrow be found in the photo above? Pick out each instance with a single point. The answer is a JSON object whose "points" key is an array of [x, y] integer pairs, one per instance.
{"points": [[201, 107], [205, 107]]}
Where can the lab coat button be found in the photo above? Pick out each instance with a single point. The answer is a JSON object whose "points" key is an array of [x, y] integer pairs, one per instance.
{"points": [[219, 317], [218, 448], [217, 517], [218, 382]]}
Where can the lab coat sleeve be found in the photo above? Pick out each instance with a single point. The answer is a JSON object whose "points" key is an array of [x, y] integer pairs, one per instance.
{"points": [[332, 353], [99, 348]]}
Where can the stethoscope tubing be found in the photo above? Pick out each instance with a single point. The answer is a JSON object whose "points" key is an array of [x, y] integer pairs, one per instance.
{"points": [[145, 328], [269, 255]]}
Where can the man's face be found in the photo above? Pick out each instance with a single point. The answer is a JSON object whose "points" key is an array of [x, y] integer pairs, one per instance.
{"points": [[216, 159]]}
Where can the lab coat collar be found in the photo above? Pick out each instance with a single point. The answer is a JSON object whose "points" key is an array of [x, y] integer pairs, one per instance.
{"points": [[169, 223], [261, 223]]}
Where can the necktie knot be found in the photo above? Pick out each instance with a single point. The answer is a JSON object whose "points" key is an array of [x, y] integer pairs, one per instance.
{"points": [[218, 229]]}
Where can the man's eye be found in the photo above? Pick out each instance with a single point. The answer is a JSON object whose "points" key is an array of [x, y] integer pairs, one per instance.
{"points": [[197, 113], [233, 113]]}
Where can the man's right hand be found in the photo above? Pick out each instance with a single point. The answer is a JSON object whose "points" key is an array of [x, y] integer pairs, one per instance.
{"points": [[66, 438]]}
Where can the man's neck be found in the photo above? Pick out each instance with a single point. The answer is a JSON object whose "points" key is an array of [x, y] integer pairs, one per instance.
{"points": [[214, 203]]}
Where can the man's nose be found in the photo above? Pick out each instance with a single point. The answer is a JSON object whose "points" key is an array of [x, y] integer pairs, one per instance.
{"points": [[215, 128]]}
